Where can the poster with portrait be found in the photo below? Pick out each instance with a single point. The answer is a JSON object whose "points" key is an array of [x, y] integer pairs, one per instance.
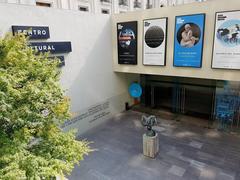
{"points": [[154, 42], [127, 42], [188, 40], [226, 48]]}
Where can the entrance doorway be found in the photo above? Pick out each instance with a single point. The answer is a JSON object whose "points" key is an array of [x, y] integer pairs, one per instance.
{"points": [[194, 97]]}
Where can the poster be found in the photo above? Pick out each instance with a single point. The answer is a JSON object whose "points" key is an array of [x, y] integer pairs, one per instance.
{"points": [[154, 44], [226, 48], [188, 40], [127, 42]]}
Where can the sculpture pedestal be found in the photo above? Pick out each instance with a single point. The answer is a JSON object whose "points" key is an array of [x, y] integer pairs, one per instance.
{"points": [[150, 146]]}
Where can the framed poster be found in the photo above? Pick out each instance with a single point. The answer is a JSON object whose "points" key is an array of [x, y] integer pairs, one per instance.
{"points": [[155, 40], [127, 42], [188, 40], [226, 46]]}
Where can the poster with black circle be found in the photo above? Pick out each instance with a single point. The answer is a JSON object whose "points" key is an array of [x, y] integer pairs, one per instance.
{"points": [[127, 42], [226, 48], [154, 42], [188, 40]]}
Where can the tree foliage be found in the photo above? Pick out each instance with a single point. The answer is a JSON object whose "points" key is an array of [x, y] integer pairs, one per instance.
{"points": [[32, 108]]}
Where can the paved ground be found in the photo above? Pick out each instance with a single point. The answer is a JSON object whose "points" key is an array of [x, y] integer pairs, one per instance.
{"points": [[187, 152]]}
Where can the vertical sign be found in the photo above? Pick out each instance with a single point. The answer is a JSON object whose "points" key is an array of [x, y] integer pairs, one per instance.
{"points": [[226, 48], [188, 40], [127, 42], [154, 44]]}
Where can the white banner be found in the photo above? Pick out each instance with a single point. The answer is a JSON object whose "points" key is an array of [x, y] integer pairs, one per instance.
{"points": [[226, 50], [154, 43]]}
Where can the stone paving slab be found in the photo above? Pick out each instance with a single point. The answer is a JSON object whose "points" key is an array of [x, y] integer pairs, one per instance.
{"points": [[176, 170], [187, 152]]}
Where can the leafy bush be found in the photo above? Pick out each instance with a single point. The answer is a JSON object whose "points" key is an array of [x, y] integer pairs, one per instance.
{"points": [[32, 108]]}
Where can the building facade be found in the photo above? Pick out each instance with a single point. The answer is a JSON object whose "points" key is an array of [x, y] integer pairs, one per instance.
{"points": [[102, 6]]}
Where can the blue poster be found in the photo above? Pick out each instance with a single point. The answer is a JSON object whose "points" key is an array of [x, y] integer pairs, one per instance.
{"points": [[188, 40]]}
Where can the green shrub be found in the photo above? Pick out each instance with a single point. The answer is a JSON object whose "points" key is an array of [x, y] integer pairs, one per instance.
{"points": [[32, 108]]}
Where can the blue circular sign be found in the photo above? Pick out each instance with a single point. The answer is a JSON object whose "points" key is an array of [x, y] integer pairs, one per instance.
{"points": [[135, 90]]}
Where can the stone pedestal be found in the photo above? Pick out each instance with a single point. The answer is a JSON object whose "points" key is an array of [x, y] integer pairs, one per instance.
{"points": [[150, 146]]}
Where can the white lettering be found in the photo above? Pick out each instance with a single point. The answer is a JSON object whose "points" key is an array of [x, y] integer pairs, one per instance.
{"points": [[39, 32], [29, 32], [25, 32], [34, 32], [36, 48], [44, 32]]}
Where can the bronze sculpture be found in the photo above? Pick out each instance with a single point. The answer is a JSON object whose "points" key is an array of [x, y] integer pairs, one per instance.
{"points": [[149, 122]]}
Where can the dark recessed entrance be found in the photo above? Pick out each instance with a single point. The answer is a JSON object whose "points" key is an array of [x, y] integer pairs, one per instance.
{"points": [[194, 97]]}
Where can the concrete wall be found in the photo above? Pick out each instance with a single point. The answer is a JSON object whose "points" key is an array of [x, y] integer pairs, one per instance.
{"points": [[96, 92], [209, 8]]}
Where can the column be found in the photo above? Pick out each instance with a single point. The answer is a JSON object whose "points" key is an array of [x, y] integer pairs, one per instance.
{"points": [[65, 4], [28, 2], [95, 5], [73, 5], [179, 2], [58, 4], [115, 6], [131, 5], [143, 3], [152, 96], [13, 1]]}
